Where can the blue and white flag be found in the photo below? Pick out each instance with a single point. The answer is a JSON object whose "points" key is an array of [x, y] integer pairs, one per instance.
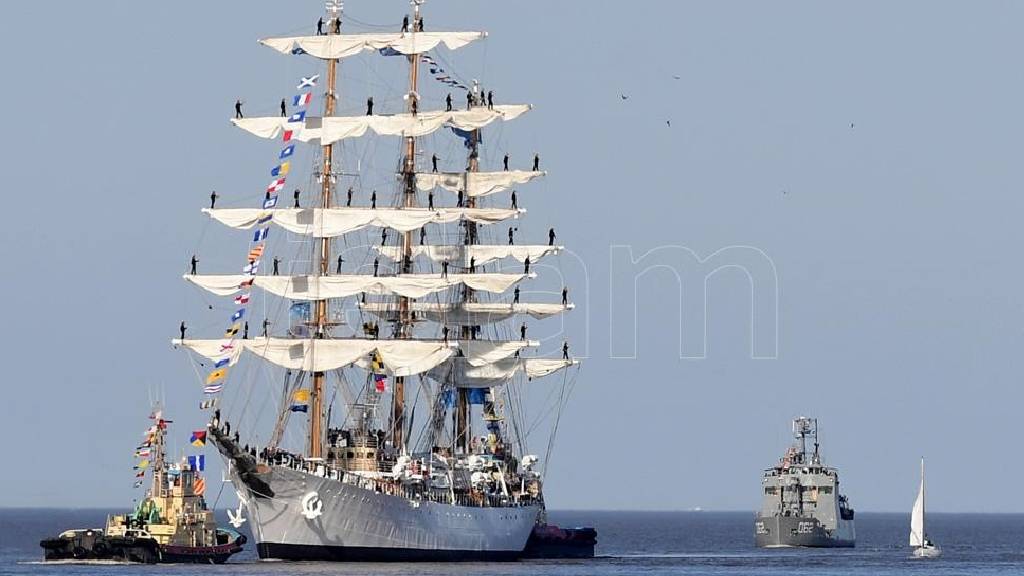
{"points": [[308, 82], [389, 51], [238, 315], [213, 389], [270, 202], [297, 117], [261, 234], [287, 152], [197, 462], [251, 268], [222, 362]]}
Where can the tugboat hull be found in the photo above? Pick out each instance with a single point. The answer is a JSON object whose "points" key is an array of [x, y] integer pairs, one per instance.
{"points": [[803, 532], [552, 542], [86, 545]]}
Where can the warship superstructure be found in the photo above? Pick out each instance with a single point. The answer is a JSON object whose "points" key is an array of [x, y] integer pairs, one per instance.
{"points": [[802, 505], [431, 328]]}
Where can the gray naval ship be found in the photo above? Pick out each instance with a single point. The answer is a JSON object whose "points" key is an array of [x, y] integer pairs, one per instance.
{"points": [[802, 505]]}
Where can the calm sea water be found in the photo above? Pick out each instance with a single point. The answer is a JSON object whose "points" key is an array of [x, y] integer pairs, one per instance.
{"points": [[689, 543]]}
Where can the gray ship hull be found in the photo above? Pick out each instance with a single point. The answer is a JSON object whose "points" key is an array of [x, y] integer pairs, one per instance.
{"points": [[314, 518], [794, 531]]}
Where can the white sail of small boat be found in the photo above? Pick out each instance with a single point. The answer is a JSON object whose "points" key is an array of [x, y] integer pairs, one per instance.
{"points": [[923, 547]]}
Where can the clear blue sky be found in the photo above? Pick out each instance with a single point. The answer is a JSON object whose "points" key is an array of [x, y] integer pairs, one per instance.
{"points": [[896, 240]]}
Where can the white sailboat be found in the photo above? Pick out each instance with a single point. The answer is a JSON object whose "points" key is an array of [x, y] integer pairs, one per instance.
{"points": [[919, 541]]}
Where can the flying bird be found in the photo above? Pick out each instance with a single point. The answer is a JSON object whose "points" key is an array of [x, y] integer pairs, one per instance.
{"points": [[669, 123], [677, 77], [623, 96]]}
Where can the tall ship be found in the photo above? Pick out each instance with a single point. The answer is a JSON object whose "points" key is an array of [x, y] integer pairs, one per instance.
{"points": [[802, 505], [398, 379], [171, 524]]}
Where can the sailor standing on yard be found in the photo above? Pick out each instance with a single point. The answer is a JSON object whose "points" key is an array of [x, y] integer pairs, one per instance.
{"points": [[238, 109], [448, 102], [284, 108], [369, 106], [536, 162], [182, 328], [551, 237], [339, 265], [320, 27], [433, 162], [348, 201], [213, 199], [194, 262], [505, 162]]}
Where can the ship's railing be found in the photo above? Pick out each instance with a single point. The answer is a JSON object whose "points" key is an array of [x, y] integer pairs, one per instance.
{"points": [[393, 488]]}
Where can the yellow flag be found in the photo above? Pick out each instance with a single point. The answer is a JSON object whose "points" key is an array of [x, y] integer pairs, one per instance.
{"points": [[233, 331], [301, 396], [216, 375], [378, 363]]}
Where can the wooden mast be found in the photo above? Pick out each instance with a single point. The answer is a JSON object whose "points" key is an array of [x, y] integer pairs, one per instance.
{"points": [[462, 394], [408, 201], [316, 433]]}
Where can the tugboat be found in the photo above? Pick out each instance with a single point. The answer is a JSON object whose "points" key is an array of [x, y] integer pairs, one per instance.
{"points": [[548, 541], [802, 505], [170, 525]]}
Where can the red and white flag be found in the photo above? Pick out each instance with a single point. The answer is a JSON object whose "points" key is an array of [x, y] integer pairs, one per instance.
{"points": [[242, 299], [276, 186], [288, 135]]}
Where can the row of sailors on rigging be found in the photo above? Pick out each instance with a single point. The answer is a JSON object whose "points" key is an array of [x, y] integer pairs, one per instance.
{"points": [[336, 25], [182, 328], [472, 100]]}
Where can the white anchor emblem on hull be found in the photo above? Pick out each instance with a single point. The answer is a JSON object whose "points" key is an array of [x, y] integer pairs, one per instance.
{"points": [[312, 506]]}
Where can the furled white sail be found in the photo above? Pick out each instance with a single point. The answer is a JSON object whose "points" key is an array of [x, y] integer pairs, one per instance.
{"points": [[325, 287], [332, 222], [481, 253], [468, 313], [917, 536], [466, 375], [401, 357], [324, 131], [475, 184], [345, 45]]}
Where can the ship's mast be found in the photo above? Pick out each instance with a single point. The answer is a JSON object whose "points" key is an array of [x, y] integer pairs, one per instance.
{"points": [[334, 7], [408, 201], [462, 407]]}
